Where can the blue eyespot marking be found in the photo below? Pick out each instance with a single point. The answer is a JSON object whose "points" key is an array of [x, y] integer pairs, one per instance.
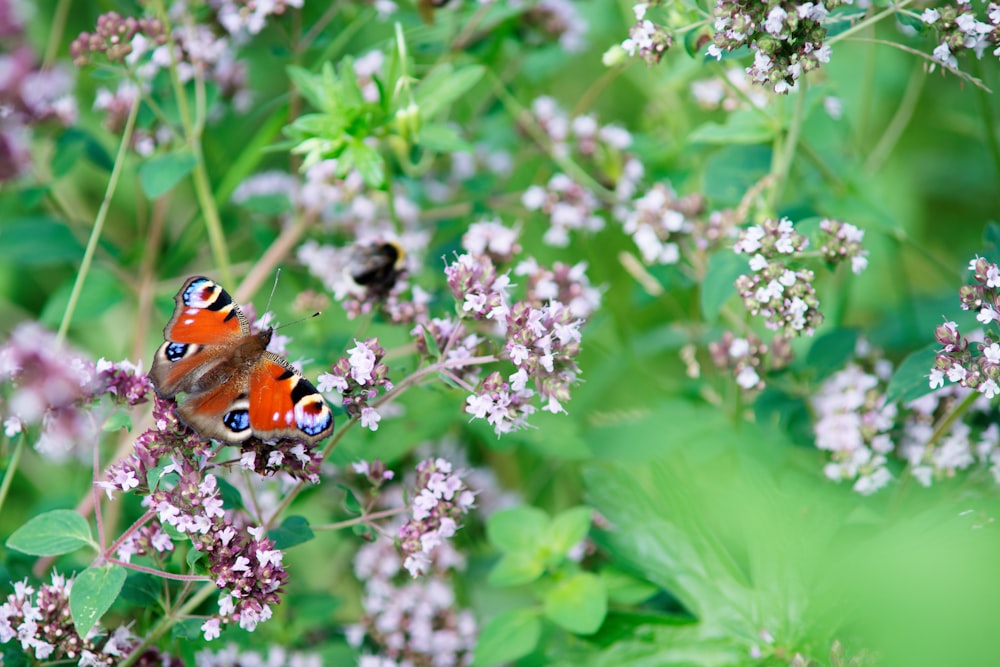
{"points": [[176, 351], [237, 420]]}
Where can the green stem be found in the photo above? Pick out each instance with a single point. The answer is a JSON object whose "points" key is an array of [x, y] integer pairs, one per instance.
{"points": [[102, 215], [168, 622], [902, 117], [871, 20], [945, 424], [56, 30], [192, 133], [784, 154], [8, 475], [359, 519]]}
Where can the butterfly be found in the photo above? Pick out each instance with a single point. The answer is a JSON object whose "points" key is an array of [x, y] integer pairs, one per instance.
{"points": [[234, 387]]}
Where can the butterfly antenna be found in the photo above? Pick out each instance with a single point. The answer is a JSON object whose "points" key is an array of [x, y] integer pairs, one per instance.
{"points": [[277, 274], [309, 317]]}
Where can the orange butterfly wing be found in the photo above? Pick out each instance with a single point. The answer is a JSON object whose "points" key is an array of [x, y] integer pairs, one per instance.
{"points": [[283, 404]]}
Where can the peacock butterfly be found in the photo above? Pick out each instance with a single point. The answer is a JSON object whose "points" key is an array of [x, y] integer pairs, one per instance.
{"points": [[235, 388]]}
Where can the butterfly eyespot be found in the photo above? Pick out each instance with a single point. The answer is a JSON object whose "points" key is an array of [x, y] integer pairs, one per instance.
{"points": [[237, 420], [176, 351]]}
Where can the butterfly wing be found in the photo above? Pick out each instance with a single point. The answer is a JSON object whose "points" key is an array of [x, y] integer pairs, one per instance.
{"points": [[283, 404], [221, 413], [205, 324]]}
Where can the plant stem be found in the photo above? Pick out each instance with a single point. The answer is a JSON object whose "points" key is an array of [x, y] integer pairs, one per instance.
{"points": [[359, 519], [988, 123], [8, 475], [168, 622], [56, 30], [157, 573], [192, 134], [786, 153], [102, 215], [902, 117]]}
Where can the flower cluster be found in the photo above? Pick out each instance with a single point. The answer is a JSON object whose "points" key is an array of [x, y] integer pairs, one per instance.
{"points": [[358, 377], [853, 423], [747, 358], [840, 241], [955, 449], [505, 405], [145, 50], [243, 18], [479, 287], [646, 39], [568, 205], [43, 626], [114, 38], [29, 95], [410, 621], [976, 366], [124, 380], [438, 501], [959, 29], [48, 384], [543, 344], [565, 283], [560, 20], [658, 220], [786, 37], [783, 296], [489, 238]]}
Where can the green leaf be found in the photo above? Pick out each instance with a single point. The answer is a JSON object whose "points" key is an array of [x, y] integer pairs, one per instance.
{"points": [[442, 138], [831, 351], [624, 588], [119, 419], [293, 530], [193, 556], [443, 86], [94, 591], [722, 271], [741, 127], [141, 589], [734, 169], [578, 603], [507, 637], [569, 528], [910, 382], [231, 496], [38, 241], [188, 629], [351, 502], [367, 161], [160, 174], [51, 534], [516, 568], [518, 529], [309, 85]]}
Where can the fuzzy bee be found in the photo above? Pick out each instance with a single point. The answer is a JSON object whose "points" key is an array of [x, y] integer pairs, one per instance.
{"points": [[376, 267]]}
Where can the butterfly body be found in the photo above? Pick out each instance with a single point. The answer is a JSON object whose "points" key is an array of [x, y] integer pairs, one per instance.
{"points": [[234, 387]]}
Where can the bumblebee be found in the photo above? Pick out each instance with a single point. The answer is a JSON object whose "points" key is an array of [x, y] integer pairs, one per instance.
{"points": [[376, 267]]}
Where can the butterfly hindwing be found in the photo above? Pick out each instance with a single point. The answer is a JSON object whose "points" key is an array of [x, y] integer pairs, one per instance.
{"points": [[283, 404], [221, 413]]}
